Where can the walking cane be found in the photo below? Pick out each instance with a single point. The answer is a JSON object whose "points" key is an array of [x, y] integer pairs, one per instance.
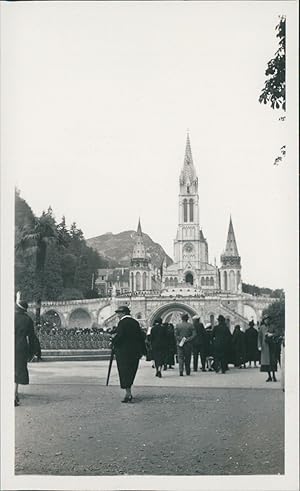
{"points": [[112, 354]]}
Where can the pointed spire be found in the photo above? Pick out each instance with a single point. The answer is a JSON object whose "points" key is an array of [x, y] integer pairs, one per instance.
{"points": [[188, 173], [139, 228], [231, 247]]}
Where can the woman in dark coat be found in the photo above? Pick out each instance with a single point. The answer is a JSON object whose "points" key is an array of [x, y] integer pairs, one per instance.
{"points": [[239, 347], [171, 348], [159, 343], [221, 341], [129, 346], [252, 353], [24, 346]]}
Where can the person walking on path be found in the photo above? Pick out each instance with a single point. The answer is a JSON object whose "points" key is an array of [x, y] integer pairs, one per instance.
{"points": [[24, 346], [199, 344], [252, 353], [239, 347], [184, 333], [267, 339], [221, 343], [128, 345], [159, 343], [171, 348]]}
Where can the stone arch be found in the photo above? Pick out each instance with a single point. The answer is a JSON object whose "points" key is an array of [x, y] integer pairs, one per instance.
{"points": [[80, 318], [53, 317], [189, 278], [164, 310], [250, 313], [171, 282], [175, 282], [207, 281], [202, 281], [211, 281]]}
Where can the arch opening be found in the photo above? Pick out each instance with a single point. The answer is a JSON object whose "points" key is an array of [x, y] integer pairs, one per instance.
{"points": [[80, 318]]}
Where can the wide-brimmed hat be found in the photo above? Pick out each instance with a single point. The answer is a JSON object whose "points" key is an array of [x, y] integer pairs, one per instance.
{"points": [[123, 309], [196, 317]]}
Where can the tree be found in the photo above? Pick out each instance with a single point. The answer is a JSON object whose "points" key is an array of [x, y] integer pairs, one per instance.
{"points": [[276, 312], [273, 92], [33, 243], [53, 282]]}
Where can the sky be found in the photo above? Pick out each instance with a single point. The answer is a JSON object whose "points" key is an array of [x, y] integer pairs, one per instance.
{"points": [[99, 98]]}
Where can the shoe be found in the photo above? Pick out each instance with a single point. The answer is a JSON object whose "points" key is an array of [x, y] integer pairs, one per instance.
{"points": [[188, 373], [203, 370], [17, 403], [274, 379], [181, 374], [17, 399], [171, 368], [195, 370], [159, 374], [127, 399], [165, 367], [269, 379]]}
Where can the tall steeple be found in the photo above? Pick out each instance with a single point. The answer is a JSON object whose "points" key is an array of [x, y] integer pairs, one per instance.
{"points": [[188, 174], [139, 251], [230, 270], [231, 247]]}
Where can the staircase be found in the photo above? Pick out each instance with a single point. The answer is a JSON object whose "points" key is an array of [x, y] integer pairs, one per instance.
{"points": [[232, 312], [75, 354]]}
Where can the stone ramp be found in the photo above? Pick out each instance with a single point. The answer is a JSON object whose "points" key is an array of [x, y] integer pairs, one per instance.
{"points": [[75, 355]]}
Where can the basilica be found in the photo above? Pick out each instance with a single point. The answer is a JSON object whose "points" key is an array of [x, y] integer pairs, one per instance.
{"points": [[191, 271]]}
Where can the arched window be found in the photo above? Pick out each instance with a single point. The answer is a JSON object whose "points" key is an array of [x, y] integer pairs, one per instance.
{"points": [[191, 210], [132, 283], [207, 281], [175, 282], [225, 281], [232, 281], [212, 320], [171, 282], [138, 281], [185, 210], [211, 282], [144, 280], [202, 281], [189, 278]]}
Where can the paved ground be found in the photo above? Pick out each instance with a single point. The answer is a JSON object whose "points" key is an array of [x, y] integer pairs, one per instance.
{"points": [[69, 423]]}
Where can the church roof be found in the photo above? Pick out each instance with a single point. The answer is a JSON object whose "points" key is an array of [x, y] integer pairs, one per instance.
{"points": [[231, 247], [188, 173]]}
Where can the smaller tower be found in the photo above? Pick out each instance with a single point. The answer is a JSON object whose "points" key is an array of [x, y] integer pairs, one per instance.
{"points": [[230, 271], [140, 265]]}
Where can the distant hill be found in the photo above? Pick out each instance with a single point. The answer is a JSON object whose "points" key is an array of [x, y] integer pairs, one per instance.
{"points": [[117, 248]]}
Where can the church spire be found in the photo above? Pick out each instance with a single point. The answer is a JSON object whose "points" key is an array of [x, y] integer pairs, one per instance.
{"points": [[139, 251], [231, 247], [188, 173]]}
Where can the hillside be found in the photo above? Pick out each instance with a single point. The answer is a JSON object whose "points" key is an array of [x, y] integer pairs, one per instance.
{"points": [[117, 248]]}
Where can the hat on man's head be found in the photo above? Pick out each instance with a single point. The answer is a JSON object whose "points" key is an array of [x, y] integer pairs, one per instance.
{"points": [[22, 305], [158, 320], [251, 323], [221, 318], [123, 309], [196, 317], [184, 316]]}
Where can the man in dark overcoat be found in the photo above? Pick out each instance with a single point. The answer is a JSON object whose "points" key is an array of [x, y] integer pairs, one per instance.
{"points": [[184, 334], [128, 345], [252, 353], [199, 344], [221, 341], [159, 344]]}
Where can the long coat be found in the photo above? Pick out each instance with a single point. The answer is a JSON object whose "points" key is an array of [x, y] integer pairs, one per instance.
{"points": [[159, 343], [268, 361], [252, 353], [239, 347], [24, 345], [129, 346]]}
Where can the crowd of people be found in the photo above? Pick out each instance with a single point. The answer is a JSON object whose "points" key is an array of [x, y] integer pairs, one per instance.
{"points": [[53, 337], [163, 344]]}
